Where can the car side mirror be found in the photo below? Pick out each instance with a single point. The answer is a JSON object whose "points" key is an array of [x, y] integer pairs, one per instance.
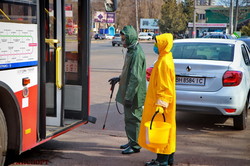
{"points": [[110, 5]]}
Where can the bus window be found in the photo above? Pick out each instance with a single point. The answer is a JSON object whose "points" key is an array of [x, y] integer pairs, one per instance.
{"points": [[14, 12], [72, 61]]}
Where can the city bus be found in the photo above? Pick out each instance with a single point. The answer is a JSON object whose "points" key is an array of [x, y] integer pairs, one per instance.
{"points": [[44, 70]]}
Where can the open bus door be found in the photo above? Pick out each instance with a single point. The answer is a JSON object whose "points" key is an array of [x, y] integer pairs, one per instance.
{"points": [[44, 70], [65, 64]]}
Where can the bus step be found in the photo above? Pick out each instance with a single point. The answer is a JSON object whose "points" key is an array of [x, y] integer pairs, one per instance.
{"points": [[92, 119]]}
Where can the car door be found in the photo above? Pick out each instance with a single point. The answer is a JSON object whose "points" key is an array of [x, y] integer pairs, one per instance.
{"points": [[246, 56]]}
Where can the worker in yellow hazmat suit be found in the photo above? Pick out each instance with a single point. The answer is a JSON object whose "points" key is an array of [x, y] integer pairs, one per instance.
{"points": [[161, 96]]}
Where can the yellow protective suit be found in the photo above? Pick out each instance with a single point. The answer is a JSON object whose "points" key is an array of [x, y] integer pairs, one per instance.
{"points": [[161, 89]]}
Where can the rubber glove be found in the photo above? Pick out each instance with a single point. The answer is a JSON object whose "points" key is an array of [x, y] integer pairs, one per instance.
{"points": [[160, 109], [114, 80]]}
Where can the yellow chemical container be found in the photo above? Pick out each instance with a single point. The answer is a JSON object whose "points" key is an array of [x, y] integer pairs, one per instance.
{"points": [[157, 132]]}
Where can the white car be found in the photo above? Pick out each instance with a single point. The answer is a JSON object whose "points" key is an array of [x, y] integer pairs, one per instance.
{"points": [[144, 36], [117, 40], [213, 77], [109, 37]]}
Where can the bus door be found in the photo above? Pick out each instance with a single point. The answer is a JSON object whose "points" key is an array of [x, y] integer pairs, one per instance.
{"points": [[67, 60]]}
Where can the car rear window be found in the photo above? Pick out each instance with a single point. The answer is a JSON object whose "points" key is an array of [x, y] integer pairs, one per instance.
{"points": [[206, 51]]}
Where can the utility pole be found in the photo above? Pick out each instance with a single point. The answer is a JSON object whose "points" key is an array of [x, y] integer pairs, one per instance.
{"points": [[231, 14], [194, 21], [136, 16], [236, 15]]}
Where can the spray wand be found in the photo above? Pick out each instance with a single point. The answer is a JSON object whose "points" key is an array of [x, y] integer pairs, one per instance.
{"points": [[112, 90]]}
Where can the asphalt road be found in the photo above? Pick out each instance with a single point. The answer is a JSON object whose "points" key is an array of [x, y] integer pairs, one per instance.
{"points": [[202, 140]]}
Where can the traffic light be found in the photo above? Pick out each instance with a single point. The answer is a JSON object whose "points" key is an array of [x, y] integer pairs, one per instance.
{"points": [[110, 5]]}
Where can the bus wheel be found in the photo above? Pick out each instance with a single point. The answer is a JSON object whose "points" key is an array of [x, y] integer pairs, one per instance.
{"points": [[3, 138]]}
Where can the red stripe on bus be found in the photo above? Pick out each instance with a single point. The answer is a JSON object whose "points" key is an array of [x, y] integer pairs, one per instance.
{"points": [[29, 112], [58, 134]]}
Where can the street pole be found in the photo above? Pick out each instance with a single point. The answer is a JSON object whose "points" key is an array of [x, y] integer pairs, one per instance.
{"points": [[236, 15], [194, 21], [231, 14], [136, 15]]}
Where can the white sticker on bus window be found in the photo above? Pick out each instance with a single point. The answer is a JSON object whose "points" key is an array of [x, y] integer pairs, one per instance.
{"points": [[25, 102], [19, 45]]}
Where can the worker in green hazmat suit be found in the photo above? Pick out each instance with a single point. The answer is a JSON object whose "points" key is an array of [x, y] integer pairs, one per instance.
{"points": [[161, 96], [132, 88]]}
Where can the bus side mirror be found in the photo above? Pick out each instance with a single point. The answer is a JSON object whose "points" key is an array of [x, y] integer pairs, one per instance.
{"points": [[110, 5]]}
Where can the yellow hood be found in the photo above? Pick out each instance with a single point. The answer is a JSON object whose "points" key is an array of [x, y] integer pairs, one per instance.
{"points": [[165, 43]]}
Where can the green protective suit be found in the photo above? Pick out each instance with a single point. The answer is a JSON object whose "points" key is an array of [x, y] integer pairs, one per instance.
{"points": [[161, 90], [132, 85]]}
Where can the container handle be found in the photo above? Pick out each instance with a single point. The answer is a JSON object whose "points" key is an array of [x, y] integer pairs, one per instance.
{"points": [[154, 117]]}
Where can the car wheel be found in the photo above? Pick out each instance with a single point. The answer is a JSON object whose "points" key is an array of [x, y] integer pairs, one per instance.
{"points": [[118, 44], [113, 44], [240, 121], [3, 138]]}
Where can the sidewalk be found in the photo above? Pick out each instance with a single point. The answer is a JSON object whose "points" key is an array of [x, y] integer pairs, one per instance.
{"points": [[88, 147], [101, 148]]}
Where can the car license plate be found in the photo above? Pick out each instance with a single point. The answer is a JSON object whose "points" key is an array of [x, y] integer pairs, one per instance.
{"points": [[190, 81]]}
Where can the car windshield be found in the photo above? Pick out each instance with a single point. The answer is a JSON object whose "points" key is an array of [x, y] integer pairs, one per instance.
{"points": [[206, 51]]}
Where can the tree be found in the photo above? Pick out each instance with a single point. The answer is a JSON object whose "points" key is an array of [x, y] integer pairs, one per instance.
{"points": [[245, 30], [188, 9], [240, 9], [125, 14], [150, 9], [97, 5], [173, 20]]}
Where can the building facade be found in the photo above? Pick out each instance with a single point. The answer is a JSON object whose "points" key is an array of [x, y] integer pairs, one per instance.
{"points": [[205, 2], [212, 19]]}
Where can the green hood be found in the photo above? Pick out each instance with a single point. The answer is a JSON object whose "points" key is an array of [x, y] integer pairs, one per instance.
{"points": [[130, 34], [132, 84]]}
